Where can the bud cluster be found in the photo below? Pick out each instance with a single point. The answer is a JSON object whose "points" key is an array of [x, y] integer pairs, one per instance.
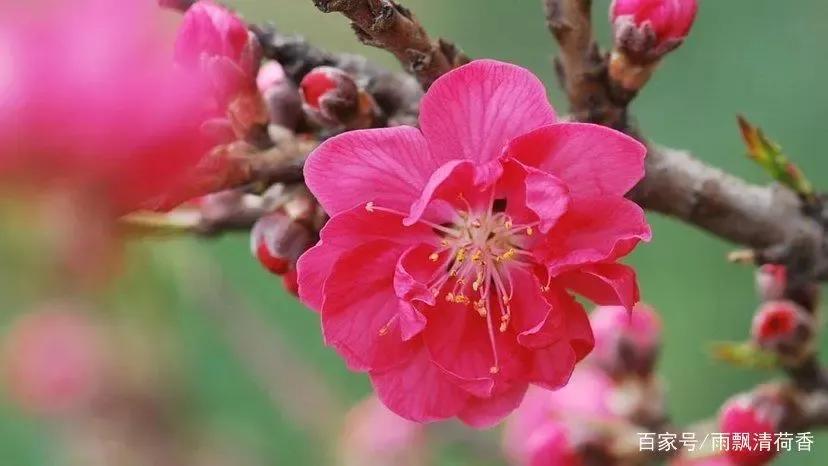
{"points": [[612, 393]]}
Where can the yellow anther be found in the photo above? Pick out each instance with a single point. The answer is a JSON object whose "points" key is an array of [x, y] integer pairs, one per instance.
{"points": [[461, 255], [530, 231], [508, 224], [450, 297], [461, 299], [480, 306], [508, 255], [504, 325], [369, 207], [433, 257], [444, 242], [476, 223], [477, 255], [383, 331], [494, 370], [506, 299]]}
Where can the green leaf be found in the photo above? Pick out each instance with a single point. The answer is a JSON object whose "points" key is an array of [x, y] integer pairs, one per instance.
{"points": [[744, 354], [768, 155]]}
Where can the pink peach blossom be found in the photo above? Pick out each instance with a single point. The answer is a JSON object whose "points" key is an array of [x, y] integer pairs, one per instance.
{"points": [[90, 100], [445, 267], [374, 436], [52, 360], [745, 414], [586, 399]]}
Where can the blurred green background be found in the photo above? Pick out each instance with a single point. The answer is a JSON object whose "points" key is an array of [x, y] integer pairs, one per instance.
{"points": [[763, 58]]}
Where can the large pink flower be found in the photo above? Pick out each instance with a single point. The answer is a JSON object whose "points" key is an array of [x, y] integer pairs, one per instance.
{"points": [[445, 267], [90, 100]]}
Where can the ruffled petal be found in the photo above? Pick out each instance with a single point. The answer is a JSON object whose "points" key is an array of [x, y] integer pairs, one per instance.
{"points": [[592, 160], [473, 111], [593, 230], [483, 413], [544, 195], [360, 311], [552, 366], [418, 390], [458, 342], [441, 197], [532, 318], [344, 232], [388, 166], [604, 284]]}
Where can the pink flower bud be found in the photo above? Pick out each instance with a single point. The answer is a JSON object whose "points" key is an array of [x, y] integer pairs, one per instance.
{"points": [[651, 28], [550, 445], [217, 42], [277, 241], [330, 95], [626, 342], [756, 415], [52, 360], [374, 436], [284, 104], [783, 327], [771, 281]]}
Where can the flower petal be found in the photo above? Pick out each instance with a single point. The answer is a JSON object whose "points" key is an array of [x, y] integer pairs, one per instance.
{"points": [[473, 111], [544, 195], [360, 311], [344, 232], [483, 413], [604, 284], [552, 366], [458, 342], [388, 166], [592, 160], [593, 230], [440, 197], [418, 390]]}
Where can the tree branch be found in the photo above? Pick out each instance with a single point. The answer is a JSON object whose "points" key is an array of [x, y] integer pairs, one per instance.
{"points": [[388, 25]]}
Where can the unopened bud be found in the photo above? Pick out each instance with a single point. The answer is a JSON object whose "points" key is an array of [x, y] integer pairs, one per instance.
{"points": [[626, 342], [284, 104], [785, 328], [290, 280], [771, 281], [277, 241], [646, 30], [331, 98], [756, 414]]}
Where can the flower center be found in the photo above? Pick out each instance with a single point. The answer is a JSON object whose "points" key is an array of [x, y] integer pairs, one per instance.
{"points": [[475, 256]]}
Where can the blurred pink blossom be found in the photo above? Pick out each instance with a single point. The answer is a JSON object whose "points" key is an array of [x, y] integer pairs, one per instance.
{"points": [[374, 436], [53, 360], [626, 341], [91, 102]]}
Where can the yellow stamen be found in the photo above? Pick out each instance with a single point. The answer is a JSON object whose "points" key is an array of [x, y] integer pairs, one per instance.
{"points": [[494, 370], [369, 207], [530, 231], [433, 257], [383, 331]]}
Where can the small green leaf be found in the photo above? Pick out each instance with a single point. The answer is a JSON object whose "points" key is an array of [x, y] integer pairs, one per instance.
{"points": [[744, 354], [768, 155]]}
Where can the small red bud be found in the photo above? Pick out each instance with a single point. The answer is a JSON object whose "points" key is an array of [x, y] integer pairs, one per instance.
{"points": [[771, 281], [291, 283], [753, 414], [277, 241], [783, 327], [330, 95]]}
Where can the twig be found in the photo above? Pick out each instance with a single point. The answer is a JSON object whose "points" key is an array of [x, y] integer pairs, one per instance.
{"points": [[388, 25]]}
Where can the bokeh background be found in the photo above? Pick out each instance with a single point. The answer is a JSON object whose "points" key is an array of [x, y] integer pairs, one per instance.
{"points": [[249, 364]]}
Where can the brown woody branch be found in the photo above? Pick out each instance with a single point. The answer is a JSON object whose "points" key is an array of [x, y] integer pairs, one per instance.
{"points": [[388, 25]]}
